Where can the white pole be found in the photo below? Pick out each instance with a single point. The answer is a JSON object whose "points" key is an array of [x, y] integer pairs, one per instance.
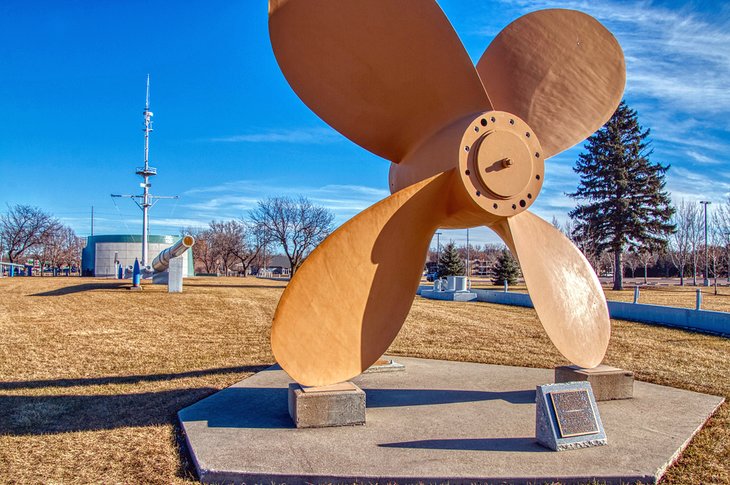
{"points": [[145, 175], [706, 281], [468, 272]]}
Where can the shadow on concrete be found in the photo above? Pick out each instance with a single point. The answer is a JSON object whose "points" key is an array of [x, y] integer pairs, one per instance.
{"points": [[38, 415], [381, 398], [243, 407], [98, 381], [67, 290], [263, 407], [472, 444]]}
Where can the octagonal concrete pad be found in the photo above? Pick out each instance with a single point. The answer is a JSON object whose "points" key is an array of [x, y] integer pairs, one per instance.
{"points": [[437, 421]]}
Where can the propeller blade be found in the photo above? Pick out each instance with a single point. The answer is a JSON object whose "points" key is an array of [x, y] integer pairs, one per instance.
{"points": [[347, 302], [563, 287], [559, 70], [384, 73]]}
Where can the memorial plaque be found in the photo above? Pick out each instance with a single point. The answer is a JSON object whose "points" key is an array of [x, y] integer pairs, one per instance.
{"points": [[567, 417], [574, 413]]}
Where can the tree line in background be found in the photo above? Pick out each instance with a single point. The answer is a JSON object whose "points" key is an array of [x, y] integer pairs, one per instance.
{"points": [[29, 234], [683, 255], [491, 261], [245, 245], [292, 225]]}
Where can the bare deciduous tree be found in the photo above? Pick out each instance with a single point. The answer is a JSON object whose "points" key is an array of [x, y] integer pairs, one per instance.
{"points": [[203, 250], [586, 240], [222, 237], [296, 224], [23, 227], [683, 242], [239, 241], [647, 257], [631, 261], [71, 247], [696, 231], [721, 223]]}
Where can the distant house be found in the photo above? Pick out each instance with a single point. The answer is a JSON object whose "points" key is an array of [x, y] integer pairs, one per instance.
{"points": [[277, 265], [481, 267]]}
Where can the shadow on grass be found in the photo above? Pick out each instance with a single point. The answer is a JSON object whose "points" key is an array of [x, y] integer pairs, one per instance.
{"points": [[244, 285], [97, 381], [472, 444], [67, 290], [38, 415]]}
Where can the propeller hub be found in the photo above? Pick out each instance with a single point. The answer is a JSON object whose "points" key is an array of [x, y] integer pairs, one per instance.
{"points": [[501, 164]]}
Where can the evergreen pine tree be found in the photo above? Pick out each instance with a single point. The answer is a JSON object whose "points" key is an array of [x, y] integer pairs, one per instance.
{"points": [[625, 205], [450, 263], [506, 269]]}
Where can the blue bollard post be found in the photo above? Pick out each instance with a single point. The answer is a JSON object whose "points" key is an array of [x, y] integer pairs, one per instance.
{"points": [[11, 272], [636, 294], [699, 299], [136, 274]]}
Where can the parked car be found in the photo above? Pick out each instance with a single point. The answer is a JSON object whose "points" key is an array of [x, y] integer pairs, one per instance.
{"points": [[431, 276]]}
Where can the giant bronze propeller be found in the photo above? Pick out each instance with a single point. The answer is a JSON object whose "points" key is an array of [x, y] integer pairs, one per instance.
{"points": [[468, 148]]}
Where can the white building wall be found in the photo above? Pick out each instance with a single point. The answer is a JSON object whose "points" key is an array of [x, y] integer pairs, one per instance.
{"points": [[127, 252]]}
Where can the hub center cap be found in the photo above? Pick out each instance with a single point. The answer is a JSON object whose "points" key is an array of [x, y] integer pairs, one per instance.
{"points": [[504, 163]]}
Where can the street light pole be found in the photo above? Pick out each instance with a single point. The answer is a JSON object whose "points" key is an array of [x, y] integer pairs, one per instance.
{"points": [[706, 281], [438, 251]]}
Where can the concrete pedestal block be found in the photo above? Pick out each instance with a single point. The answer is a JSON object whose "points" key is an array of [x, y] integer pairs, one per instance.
{"points": [[608, 382], [175, 278], [326, 406]]}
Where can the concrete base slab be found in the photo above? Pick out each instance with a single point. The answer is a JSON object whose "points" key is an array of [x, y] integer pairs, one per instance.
{"points": [[437, 421], [608, 382]]}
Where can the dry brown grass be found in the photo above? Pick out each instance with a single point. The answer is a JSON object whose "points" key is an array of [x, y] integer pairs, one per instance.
{"points": [[91, 374], [670, 295]]}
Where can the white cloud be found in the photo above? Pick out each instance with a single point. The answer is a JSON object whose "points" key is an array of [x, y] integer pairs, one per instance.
{"points": [[234, 199], [316, 136], [696, 185], [703, 159]]}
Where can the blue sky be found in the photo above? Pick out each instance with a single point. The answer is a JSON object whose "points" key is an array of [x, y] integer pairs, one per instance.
{"points": [[229, 130]]}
